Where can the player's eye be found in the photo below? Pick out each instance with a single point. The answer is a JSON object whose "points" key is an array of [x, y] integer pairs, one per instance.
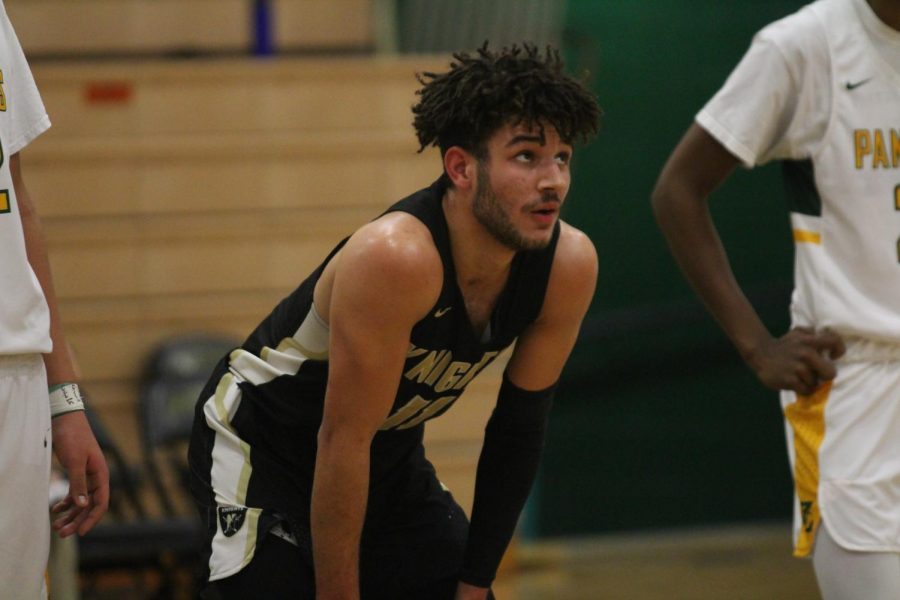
{"points": [[525, 156]]}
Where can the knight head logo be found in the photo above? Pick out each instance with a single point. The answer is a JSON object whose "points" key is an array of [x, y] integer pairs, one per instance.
{"points": [[231, 518]]}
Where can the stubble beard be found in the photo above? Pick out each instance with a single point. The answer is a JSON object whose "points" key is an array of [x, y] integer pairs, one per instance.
{"points": [[490, 214]]}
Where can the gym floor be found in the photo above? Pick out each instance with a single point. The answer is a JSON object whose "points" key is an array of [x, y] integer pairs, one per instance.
{"points": [[738, 563]]}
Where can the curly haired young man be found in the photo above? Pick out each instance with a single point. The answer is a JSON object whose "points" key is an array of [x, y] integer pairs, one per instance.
{"points": [[307, 449]]}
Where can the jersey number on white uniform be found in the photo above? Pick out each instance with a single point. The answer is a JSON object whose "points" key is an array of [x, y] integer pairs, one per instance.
{"points": [[5, 205], [897, 207]]}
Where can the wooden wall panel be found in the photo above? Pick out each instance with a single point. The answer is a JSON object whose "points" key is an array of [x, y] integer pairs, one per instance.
{"points": [[85, 27], [148, 186], [276, 95], [323, 23]]}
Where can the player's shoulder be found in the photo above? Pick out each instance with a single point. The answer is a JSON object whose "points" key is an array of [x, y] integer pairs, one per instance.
{"points": [[575, 261], [573, 277], [796, 44], [800, 32], [397, 245], [575, 248]]}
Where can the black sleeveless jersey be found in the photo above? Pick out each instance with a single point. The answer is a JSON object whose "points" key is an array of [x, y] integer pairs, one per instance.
{"points": [[282, 371]]}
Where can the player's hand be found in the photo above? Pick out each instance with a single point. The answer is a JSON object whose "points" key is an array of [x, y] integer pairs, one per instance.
{"points": [[85, 466], [801, 360], [465, 591]]}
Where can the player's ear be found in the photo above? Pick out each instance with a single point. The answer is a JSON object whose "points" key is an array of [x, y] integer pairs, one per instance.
{"points": [[461, 167]]}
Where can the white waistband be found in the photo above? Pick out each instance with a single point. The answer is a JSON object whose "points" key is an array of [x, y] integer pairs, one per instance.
{"points": [[13, 364], [869, 350]]}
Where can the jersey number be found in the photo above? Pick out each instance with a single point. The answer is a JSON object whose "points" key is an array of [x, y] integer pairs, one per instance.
{"points": [[417, 410], [5, 205]]}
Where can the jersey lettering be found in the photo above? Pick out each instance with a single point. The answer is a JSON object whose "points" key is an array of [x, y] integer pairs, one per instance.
{"points": [[416, 411], [438, 370], [881, 147], [429, 411], [5, 204], [404, 412], [452, 375], [897, 208], [423, 369]]}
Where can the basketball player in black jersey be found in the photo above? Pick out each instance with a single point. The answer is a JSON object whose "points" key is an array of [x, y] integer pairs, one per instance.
{"points": [[307, 450]]}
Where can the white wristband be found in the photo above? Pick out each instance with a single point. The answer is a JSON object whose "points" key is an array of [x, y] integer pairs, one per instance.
{"points": [[65, 398]]}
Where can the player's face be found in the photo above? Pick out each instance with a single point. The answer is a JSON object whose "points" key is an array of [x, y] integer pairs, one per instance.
{"points": [[522, 185]]}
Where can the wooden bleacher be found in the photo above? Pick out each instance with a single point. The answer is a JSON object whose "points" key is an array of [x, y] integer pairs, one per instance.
{"points": [[65, 28], [192, 196]]}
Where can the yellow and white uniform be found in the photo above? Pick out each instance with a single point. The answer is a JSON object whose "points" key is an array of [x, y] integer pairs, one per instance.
{"points": [[820, 89], [25, 443]]}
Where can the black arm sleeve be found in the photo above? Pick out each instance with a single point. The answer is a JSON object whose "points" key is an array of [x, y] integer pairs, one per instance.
{"points": [[513, 442]]}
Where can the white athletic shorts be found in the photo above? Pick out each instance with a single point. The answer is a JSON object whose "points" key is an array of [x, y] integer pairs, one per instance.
{"points": [[844, 447], [25, 448]]}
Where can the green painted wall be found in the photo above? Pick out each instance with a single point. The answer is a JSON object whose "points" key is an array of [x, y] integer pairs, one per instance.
{"points": [[658, 423]]}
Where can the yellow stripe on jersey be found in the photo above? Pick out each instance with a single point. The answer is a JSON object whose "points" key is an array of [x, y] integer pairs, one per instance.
{"points": [[251, 524], [309, 342], [807, 418], [5, 206], [294, 344], [809, 237], [223, 413]]}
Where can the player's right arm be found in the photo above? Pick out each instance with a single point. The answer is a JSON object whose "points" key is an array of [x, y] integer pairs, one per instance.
{"points": [[699, 164], [386, 278], [73, 441]]}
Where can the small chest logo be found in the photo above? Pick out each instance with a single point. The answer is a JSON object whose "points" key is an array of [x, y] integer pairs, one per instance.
{"points": [[852, 85], [231, 519]]}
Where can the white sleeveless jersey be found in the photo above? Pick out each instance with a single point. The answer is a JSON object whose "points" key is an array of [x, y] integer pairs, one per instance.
{"points": [[821, 89], [24, 316]]}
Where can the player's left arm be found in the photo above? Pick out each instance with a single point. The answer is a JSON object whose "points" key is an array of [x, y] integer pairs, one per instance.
{"points": [[514, 437], [73, 440], [543, 349]]}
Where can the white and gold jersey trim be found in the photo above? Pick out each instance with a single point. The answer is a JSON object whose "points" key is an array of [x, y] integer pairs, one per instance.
{"points": [[309, 342], [234, 542], [230, 477]]}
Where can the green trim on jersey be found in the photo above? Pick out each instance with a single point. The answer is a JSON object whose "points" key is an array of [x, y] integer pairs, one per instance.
{"points": [[800, 187]]}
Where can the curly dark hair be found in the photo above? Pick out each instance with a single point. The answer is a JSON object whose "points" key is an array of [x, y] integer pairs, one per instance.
{"points": [[481, 93]]}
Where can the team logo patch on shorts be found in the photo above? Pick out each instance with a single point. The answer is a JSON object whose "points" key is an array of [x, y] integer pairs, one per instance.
{"points": [[231, 519]]}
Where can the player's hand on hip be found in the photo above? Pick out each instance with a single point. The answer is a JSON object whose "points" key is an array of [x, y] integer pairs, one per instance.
{"points": [[85, 466], [801, 360]]}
